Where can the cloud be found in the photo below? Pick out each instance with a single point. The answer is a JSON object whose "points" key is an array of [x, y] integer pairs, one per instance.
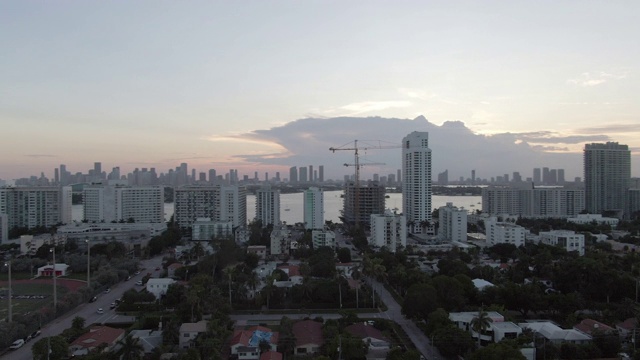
{"points": [[40, 156], [549, 148], [550, 137], [589, 79], [367, 106], [610, 128]]}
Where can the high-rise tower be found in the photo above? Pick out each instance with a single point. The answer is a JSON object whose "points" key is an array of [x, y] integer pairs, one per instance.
{"points": [[416, 185], [607, 172], [268, 206]]}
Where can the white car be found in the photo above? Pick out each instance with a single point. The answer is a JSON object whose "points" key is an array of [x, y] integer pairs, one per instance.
{"points": [[17, 344], [100, 311], [139, 282]]}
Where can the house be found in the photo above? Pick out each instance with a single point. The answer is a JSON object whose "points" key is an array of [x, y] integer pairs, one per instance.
{"points": [[149, 339], [309, 337], [592, 327], [171, 269], [159, 286], [293, 272], [259, 250], [627, 327], [271, 355], [369, 334], [47, 270], [481, 284], [554, 333], [189, 332], [246, 343], [96, 337], [498, 329], [346, 268]]}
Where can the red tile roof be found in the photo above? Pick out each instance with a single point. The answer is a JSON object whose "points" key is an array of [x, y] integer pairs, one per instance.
{"points": [[588, 326], [98, 335], [308, 332], [362, 331], [291, 270], [628, 324]]}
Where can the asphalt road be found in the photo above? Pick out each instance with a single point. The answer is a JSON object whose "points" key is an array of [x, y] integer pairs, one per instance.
{"points": [[88, 310]]}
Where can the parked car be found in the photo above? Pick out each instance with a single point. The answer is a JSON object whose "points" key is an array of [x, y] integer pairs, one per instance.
{"points": [[93, 299], [128, 278], [138, 272], [100, 311], [139, 282], [17, 344], [107, 291], [35, 334], [158, 268], [112, 306]]}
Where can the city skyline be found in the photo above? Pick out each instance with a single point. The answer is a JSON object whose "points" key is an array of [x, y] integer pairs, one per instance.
{"points": [[146, 84]]}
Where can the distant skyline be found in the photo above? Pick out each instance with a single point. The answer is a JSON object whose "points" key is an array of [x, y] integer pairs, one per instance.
{"points": [[154, 84]]}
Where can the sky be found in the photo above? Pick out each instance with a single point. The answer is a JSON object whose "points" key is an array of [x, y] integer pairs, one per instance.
{"points": [[157, 83]]}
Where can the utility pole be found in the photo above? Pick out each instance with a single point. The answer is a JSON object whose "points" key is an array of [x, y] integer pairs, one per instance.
{"points": [[55, 285], [88, 263]]}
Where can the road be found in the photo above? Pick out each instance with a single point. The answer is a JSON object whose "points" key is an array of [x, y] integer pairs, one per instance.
{"points": [[88, 311], [394, 313]]}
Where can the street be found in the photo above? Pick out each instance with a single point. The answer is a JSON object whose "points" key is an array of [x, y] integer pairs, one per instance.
{"points": [[88, 311]]}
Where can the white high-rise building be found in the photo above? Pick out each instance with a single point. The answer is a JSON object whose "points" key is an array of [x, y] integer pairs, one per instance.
{"points": [[280, 240], [533, 203], [607, 174], [453, 223], [108, 203], [219, 203], [35, 206], [388, 230], [320, 238], [416, 185], [268, 206], [313, 208]]}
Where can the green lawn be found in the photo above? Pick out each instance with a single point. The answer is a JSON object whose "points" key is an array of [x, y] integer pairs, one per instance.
{"points": [[17, 276], [21, 306]]}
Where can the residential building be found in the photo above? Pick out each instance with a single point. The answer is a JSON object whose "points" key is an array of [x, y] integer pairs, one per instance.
{"points": [[149, 339], [452, 223], [112, 203], [245, 344], [593, 218], [388, 230], [190, 331], [205, 229], [268, 206], [633, 202], [95, 338], [593, 327], [159, 286], [35, 206], [220, 203], [416, 185], [497, 331], [4, 228], [554, 333], [565, 239], [132, 235], [533, 202], [362, 201], [309, 338], [259, 250], [313, 208], [607, 172], [323, 237], [369, 335], [504, 232], [280, 240], [293, 175]]}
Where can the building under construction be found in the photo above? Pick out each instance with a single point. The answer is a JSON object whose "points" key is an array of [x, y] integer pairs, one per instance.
{"points": [[371, 201]]}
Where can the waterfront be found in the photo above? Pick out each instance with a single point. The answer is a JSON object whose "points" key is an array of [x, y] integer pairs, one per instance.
{"points": [[291, 208]]}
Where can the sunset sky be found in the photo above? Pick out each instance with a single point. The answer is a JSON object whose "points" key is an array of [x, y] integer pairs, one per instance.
{"points": [[157, 83]]}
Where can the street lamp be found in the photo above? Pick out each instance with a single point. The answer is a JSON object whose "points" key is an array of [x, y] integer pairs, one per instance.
{"points": [[88, 263], [55, 290], [8, 264]]}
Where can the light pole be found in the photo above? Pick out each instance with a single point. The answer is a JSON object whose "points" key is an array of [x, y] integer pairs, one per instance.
{"points": [[88, 263], [55, 289], [8, 264]]}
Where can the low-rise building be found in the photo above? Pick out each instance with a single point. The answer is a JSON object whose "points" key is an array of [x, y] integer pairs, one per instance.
{"points": [[309, 338], [501, 232], [280, 240], [259, 250], [159, 286], [47, 270], [565, 239], [96, 337], [554, 333], [590, 218], [149, 339], [498, 328], [205, 229], [369, 335], [190, 331], [245, 344], [323, 237], [592, 327]]}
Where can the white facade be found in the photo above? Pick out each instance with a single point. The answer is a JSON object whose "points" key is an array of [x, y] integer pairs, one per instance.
{"points": [[108, 203], [268, 206], [388, 230], [189, 332], [566, 239], [280, 240], [416, 186], [453, 223], [323, 237], [533, 203], [217, 202], [204, 229], [504, 232], [34, 206], [589, 218], [159, 286], [29, 244], [607, 175], [313, 208], [497, 331]]}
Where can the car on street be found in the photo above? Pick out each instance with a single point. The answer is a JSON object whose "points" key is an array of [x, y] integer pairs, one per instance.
{"points": [[128, 278], [17, 344], [139, 282], [100, 311], [93, 299], [35, 334], [138, 272], [112, 306], [158, 268], [107, 291]]}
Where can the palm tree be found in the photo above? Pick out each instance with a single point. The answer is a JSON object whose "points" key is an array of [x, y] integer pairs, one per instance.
{"points": [[480, 323], [230, 271], [130, 348], [270, 288]]}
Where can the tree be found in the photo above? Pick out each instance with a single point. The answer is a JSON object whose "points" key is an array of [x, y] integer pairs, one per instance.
{"points": [[504, 350], [344, 255], [436, 320], [452, 341], [480, 323], [171, 333], [57, 344], [130, 348], [78, 323], [420, 301]]}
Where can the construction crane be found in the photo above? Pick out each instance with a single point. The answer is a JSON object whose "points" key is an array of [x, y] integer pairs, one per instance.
{"points": [[357, 166]]}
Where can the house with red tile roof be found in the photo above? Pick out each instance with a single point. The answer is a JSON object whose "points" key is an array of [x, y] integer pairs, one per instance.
{"points": [[590, 326], [626, 327], [246, 343], [309, 339], [171, 269], [96, 337], [369, 335]]}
